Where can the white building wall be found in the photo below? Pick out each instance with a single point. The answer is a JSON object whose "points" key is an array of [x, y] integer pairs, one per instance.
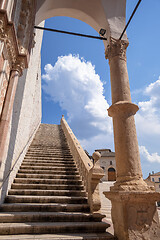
{"points": [[26, 116], [106, 161], [156, 180], [105, 164]]}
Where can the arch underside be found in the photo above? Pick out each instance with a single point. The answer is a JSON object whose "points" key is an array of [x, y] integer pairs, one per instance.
{"points": [[106, 14]]}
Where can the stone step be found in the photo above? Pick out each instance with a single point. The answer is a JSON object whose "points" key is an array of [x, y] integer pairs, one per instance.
{"points": [[49, 168], [52, 227], [49, 161], [48, 156], [57, 172], [36, 154], [48, 164], [38, 192], [45, 199], [49, 217], [48, 150], [47, 176], [49, 147], [47, 186], [53, 155], [49, 153], [56, 157], [39, 207], [47, 181], [67, 236]]}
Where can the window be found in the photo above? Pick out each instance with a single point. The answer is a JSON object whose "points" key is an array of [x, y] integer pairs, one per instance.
{"points": [[159, 179], [152, 179], [110, 162]]}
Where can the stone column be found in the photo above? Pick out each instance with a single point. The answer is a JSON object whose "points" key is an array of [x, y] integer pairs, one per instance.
{"points": [[134, 212], [7, 111], [122, 111]]}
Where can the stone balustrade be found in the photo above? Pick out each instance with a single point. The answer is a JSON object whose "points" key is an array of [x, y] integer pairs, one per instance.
{"points": [[90, 173]]}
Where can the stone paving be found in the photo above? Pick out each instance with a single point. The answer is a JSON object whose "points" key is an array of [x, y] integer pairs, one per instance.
{"points": [[106, 204]]}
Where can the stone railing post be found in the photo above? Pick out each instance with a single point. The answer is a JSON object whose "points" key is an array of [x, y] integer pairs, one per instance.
{"points": [[133, 212], [97, 174]]}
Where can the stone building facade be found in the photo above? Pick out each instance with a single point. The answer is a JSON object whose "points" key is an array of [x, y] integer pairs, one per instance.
{"points": [[108, 164], [154, 180]]}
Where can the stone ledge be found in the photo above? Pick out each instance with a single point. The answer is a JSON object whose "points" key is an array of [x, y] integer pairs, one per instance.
{"points": [[133, 196]]}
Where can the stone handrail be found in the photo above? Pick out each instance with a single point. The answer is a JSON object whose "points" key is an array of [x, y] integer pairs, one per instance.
{"points": [[90, 173]]}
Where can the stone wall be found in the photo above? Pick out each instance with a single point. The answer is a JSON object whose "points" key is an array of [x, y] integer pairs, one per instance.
{"points": [[26, 116]]}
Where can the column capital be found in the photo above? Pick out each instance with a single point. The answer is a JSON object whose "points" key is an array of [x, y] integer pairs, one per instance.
{"points": [[115, 48], [20, 64]]}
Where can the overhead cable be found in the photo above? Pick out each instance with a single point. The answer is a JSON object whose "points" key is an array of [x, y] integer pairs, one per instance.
{"points": [[70, 33], [130, 19]]}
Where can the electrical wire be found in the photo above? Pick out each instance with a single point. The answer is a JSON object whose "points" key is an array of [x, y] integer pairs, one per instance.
{"points": [[130, 19], [70, 33]]}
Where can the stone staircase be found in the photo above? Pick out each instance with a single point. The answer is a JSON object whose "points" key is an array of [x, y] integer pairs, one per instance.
{"points": [[47, 199]]}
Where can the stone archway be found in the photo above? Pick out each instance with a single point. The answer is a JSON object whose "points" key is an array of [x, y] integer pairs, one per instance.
{"points": [[111, 174]]}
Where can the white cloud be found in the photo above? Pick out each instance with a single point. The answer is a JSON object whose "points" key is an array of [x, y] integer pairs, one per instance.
{"points": [[74, 84], [153, 89], [148, 117], [100, 141], [154, 157], [148, 123]]}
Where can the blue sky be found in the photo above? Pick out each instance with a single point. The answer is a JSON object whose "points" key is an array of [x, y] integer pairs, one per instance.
{"points": [[83, 98]]}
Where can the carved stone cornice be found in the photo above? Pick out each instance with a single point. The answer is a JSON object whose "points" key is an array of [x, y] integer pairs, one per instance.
{"points": [[115, 48], [25, 27], [8, 36]]}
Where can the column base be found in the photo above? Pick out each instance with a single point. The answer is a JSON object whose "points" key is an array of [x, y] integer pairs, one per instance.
{"points": [[134, 214], [131, 184]]}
